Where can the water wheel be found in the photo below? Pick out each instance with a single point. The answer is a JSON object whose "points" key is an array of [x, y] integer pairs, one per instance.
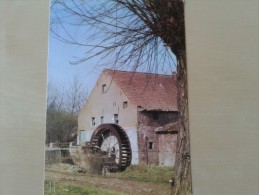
{"points": [[114, 144]]}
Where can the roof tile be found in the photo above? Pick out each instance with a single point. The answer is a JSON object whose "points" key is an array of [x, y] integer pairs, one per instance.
{"points": [[146, 90]]}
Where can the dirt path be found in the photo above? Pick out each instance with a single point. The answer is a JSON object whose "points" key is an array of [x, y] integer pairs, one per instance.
{"points": [[112, 184]]}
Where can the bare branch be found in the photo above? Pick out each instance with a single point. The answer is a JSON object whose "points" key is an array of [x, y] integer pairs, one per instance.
{"points": [[119, 30]]}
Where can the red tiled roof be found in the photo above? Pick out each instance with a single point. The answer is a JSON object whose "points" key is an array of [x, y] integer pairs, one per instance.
{"points": [[146, 90]]}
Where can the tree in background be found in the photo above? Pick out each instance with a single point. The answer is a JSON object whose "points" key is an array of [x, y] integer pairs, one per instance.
{"points": [[134, 34], [75, 96], [63, 105]]}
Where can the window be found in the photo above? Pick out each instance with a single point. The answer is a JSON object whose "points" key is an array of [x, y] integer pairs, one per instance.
{"points": [[102, 120], [93, 121], [155, 116], [116, 119], [104, 88], [151, 145], [125, 104]]}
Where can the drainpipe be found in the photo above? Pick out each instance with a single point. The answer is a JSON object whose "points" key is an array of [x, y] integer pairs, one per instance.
{"points": [[146, 140]]}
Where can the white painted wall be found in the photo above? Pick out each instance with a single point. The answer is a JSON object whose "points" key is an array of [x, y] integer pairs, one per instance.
{"points": [[133, 137], [106, 105], [223, 76], [23, 77]]}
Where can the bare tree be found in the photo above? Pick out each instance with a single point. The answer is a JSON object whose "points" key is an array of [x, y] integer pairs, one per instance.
{"points": [[134, 34], [55, 98], [76, 95], [63, 105]]}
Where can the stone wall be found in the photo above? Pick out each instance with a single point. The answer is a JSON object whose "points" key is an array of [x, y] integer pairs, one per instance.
{"points": [[83, 157], [57, 155], [53, 156]]}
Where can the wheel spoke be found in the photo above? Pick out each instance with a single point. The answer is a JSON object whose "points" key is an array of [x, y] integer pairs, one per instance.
{"points": [[115, 144], [105, 145], [109, 138], [109, 141]]}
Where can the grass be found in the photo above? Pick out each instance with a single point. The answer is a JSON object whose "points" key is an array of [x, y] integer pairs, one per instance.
{"points": [[144, 173], [58, 188], [139, 173]]}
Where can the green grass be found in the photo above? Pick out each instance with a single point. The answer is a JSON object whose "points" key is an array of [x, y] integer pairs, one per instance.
{"points": [[150, 173], [140, 173], [57, 188]]}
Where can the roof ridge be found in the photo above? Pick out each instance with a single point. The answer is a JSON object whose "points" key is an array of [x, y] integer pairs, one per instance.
{"points": [[147, 73]]}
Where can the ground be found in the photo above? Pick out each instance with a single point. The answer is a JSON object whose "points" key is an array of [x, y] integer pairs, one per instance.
{"points": [[69, 179]]}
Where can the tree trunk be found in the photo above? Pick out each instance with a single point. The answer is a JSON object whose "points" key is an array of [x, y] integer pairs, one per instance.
{"points": [[181, 181]]}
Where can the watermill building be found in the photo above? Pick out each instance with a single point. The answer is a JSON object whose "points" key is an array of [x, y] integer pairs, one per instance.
{"points": [[138, 109]]}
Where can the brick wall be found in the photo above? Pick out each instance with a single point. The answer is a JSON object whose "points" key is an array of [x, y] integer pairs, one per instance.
{"points": [[151, 144], [167, 148]]}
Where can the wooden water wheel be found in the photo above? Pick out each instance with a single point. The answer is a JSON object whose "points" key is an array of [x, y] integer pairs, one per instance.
{"points": [[114, 143]]}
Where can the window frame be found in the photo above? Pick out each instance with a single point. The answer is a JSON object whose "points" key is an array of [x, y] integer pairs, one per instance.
{"points": [[151, 145], [125, 104], [116, 118], [104, 88], [93, 121]]}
